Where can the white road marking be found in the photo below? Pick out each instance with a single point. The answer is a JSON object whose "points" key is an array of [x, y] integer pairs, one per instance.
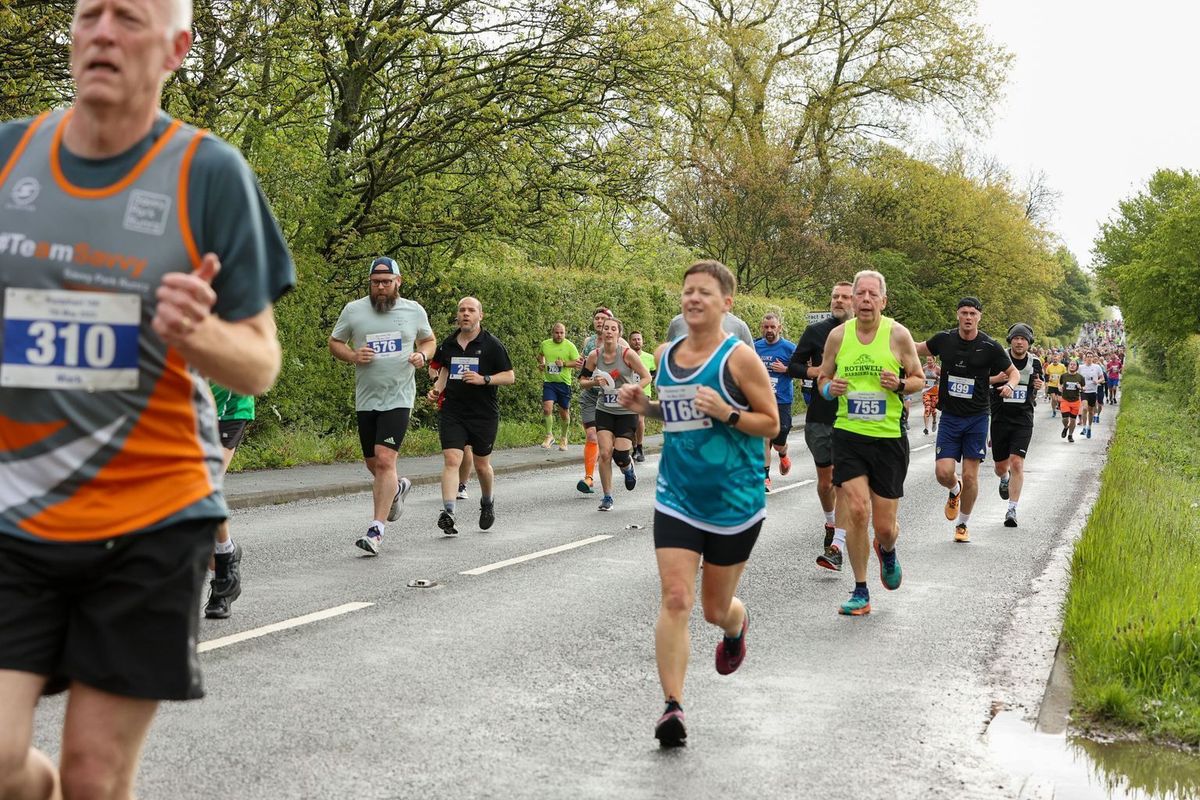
{"points": [[294, 622], [922, 447], [789, 487], [520, 559]]}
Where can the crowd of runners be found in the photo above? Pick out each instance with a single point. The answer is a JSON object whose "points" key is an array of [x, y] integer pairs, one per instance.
{"points": [[113, 445]]}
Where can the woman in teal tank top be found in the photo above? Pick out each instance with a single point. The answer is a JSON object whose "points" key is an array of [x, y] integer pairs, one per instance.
{"points": [[716, 404]]}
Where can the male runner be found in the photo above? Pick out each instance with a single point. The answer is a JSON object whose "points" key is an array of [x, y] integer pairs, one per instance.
{"points": [[437, 396], [137, 255], [234, 413], [1093, 376], [1072, 384], [1113, 368], [861, 367], [475, 364], [776, 353], [819, 417], [969, 359], [636, 343], [1054, 372], [386, 337], [1012, 419], [587, 405], [556, 358], [929, 397]]}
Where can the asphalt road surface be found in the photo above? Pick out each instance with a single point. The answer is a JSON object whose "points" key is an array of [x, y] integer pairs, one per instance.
{"points": [[536, 679]]}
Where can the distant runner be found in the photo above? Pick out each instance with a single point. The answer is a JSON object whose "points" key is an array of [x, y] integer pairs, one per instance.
{"points": [[776, 353]]}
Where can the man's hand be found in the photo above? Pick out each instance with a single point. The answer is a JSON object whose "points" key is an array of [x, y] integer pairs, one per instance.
{"points": [[473, 378], [185, 301], [890, 381], [417, 359], [364, 355], [839, 386], [778, 366]]}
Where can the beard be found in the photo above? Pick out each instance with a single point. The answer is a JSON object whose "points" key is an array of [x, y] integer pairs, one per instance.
{"points": [[385, 303]]}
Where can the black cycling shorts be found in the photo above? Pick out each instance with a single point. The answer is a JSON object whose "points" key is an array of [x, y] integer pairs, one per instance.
{"points": [[720, 549], [621, 426], [382, 429]]}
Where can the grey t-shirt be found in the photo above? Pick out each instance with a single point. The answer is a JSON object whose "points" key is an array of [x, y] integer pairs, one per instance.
{"points": [[388, 381], [731, 323]]}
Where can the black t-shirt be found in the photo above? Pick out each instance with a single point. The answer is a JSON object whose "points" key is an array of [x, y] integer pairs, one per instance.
{"points": [[963, 389], [811, 347], [1019, 413], [483, 354]]}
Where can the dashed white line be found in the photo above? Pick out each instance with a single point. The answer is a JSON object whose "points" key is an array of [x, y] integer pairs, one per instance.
{"points": [[539, 554], [254, 633], [789, 487]]}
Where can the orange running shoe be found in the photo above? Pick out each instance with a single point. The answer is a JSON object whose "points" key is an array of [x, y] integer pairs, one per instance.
{"points": [[952, 503]]}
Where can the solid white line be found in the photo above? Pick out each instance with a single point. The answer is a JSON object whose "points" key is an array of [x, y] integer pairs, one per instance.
{"points": [[789, 487], [922, 447], [519, 559], [295, 622]]}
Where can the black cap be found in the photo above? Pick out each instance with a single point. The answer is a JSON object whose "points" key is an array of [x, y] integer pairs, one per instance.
{"points": [[1022, 330], [384, 266], [973, 302]]}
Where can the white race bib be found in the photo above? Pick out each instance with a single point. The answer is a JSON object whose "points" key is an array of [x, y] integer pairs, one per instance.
{"points": [[960, 387], [1019, 394], [385, 345], [58, 339], [461, 365], [774, 380], [679, 408], [553, 369], [867, 406], [609, 399]]}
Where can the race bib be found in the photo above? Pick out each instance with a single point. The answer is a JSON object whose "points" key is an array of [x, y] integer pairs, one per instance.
{"points": [[609, 399], [385, 345], [58, 339], [774, 381], [679, 409], [807, 384], [961, 387], [867, 406], [461, 365], [1019, 394], [930, 383], [553, 369]]}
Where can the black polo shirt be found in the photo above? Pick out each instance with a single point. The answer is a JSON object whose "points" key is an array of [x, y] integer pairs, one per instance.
{"points": [[811, 347], [483, 354], [963, 389]]}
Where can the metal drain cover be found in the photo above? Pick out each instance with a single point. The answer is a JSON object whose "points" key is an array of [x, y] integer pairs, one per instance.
{"points": [[422, 583]]}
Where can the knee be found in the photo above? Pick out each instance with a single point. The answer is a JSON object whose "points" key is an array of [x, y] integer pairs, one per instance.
{"points": [[677, 599], [1002, 468], [857, 510], [90, 775], [453, 458], [606, 451], [970, 479], [1017, 466]]}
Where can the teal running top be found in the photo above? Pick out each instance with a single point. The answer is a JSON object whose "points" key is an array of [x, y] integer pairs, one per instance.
{"points": [[709, 474]]}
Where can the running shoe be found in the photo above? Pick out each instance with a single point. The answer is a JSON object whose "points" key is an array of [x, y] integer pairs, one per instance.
{"points": [[785, 465], [831, 558], [829, 532], [585, 486], [961, 534], [889, 576], [547, 442], [1010, 518], [670, 730], [487, 515], [446, 523], [859, 605], [370, 541], [606, 503], [638, 455], [934, 428], [767, 484], [732, 652], [397, 508], [1063, 435], [226, 585], [462, 492], [1071, 439], [925, 431], [1004, 487], [952, 503], [1089, 431], [562, 444], [630, 478]]}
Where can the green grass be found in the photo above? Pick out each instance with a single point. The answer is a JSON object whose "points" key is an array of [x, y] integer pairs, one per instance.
{"points": [[1134, 601]]}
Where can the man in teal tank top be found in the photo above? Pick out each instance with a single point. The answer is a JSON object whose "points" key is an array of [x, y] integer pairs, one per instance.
{"points": [[861, 367]]}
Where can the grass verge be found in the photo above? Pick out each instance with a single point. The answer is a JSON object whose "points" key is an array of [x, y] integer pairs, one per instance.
{"points": [[1131, 614]]}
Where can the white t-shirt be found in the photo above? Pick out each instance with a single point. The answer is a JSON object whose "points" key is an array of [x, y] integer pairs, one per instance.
{"points": [[1093, 377]]}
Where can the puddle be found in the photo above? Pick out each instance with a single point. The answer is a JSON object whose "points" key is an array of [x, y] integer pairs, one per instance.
{"points": [[1055, 767]]}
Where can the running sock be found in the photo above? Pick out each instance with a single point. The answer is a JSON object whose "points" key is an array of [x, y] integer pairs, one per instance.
{"points": [[957, 488], [731, 642], [224, 548], [673, 705], [1012, 505], [379, 526], [860, 589], [591, 452], [963, 519], [888, 557], [448, 505], [830, 516], [548, 423], [839, 538], [486, 501], [563, 425]]}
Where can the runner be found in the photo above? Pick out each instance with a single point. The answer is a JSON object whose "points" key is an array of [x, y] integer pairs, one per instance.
{"points": [[110, 489], [1093, 376], [1012, 419], [730, 323], [1071, 384], [386, 337], [929, 397], [716, 405], [820, 415], [587, 405], [438, 398], [234, 413], [636, 343], [776, 353], [609, 367], [557, 357], [475, 364], [1054, 373], [861, 368], [1113, 368], [969, 359]]}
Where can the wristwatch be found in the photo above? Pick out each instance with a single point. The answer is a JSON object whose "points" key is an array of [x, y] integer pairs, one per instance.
{"points": [[487, 379], [734, 416]]}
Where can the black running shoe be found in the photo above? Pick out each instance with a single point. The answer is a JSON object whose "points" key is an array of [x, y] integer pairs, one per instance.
{"points": [[630, 478], [670, 730], [487, 515], [226, 585], [1063, 435], [831, 558], [1010, 518], [446, 523]]}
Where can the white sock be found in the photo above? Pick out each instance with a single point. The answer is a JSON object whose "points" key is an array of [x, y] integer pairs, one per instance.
{"points": [[839, 538], [379, 526], [963, 519], [957, 488], [224, 548], [1012, 505], [829, 517]]}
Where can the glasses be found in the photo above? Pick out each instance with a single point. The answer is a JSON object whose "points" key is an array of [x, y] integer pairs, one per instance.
{"points": [[384, 282]]}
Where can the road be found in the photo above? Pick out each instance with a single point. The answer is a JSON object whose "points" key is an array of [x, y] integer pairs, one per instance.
{"points": [[537, 679]]}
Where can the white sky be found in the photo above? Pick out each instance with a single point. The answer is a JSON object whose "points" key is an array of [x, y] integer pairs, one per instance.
{"points": [[1101, 93]]}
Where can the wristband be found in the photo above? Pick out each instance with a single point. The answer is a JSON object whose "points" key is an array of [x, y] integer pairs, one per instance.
{"points": [[825, 391]]}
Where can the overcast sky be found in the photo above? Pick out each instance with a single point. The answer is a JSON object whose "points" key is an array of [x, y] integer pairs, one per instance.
{"points": [[1100, 95]]}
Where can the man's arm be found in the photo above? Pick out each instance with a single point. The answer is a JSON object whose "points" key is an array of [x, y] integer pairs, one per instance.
{"points": [[254, 340]]}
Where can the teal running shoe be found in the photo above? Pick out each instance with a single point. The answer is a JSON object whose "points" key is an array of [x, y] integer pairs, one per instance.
{"points": [[889, 575]]}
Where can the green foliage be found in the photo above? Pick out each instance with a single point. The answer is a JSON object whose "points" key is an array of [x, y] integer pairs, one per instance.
{"points": [[1131, 619]]}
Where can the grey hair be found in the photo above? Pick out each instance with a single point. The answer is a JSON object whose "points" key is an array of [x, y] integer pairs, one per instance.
{"points": [[870, 273]]}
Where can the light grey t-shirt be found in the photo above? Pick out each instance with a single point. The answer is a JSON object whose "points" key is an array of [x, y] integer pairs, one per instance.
{"points": [[731, 323], [388, 381]]}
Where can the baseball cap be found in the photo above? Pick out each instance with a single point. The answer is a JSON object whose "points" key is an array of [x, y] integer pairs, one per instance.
{"points": [[973, 302], [384, 265]]}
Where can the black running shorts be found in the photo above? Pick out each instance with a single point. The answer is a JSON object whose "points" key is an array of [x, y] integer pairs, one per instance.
{"points": [[1010, 440], [457, 432], [232, 431], [883, 461], [382, 429], [621, 426], [121, 615], [719, 549]]}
